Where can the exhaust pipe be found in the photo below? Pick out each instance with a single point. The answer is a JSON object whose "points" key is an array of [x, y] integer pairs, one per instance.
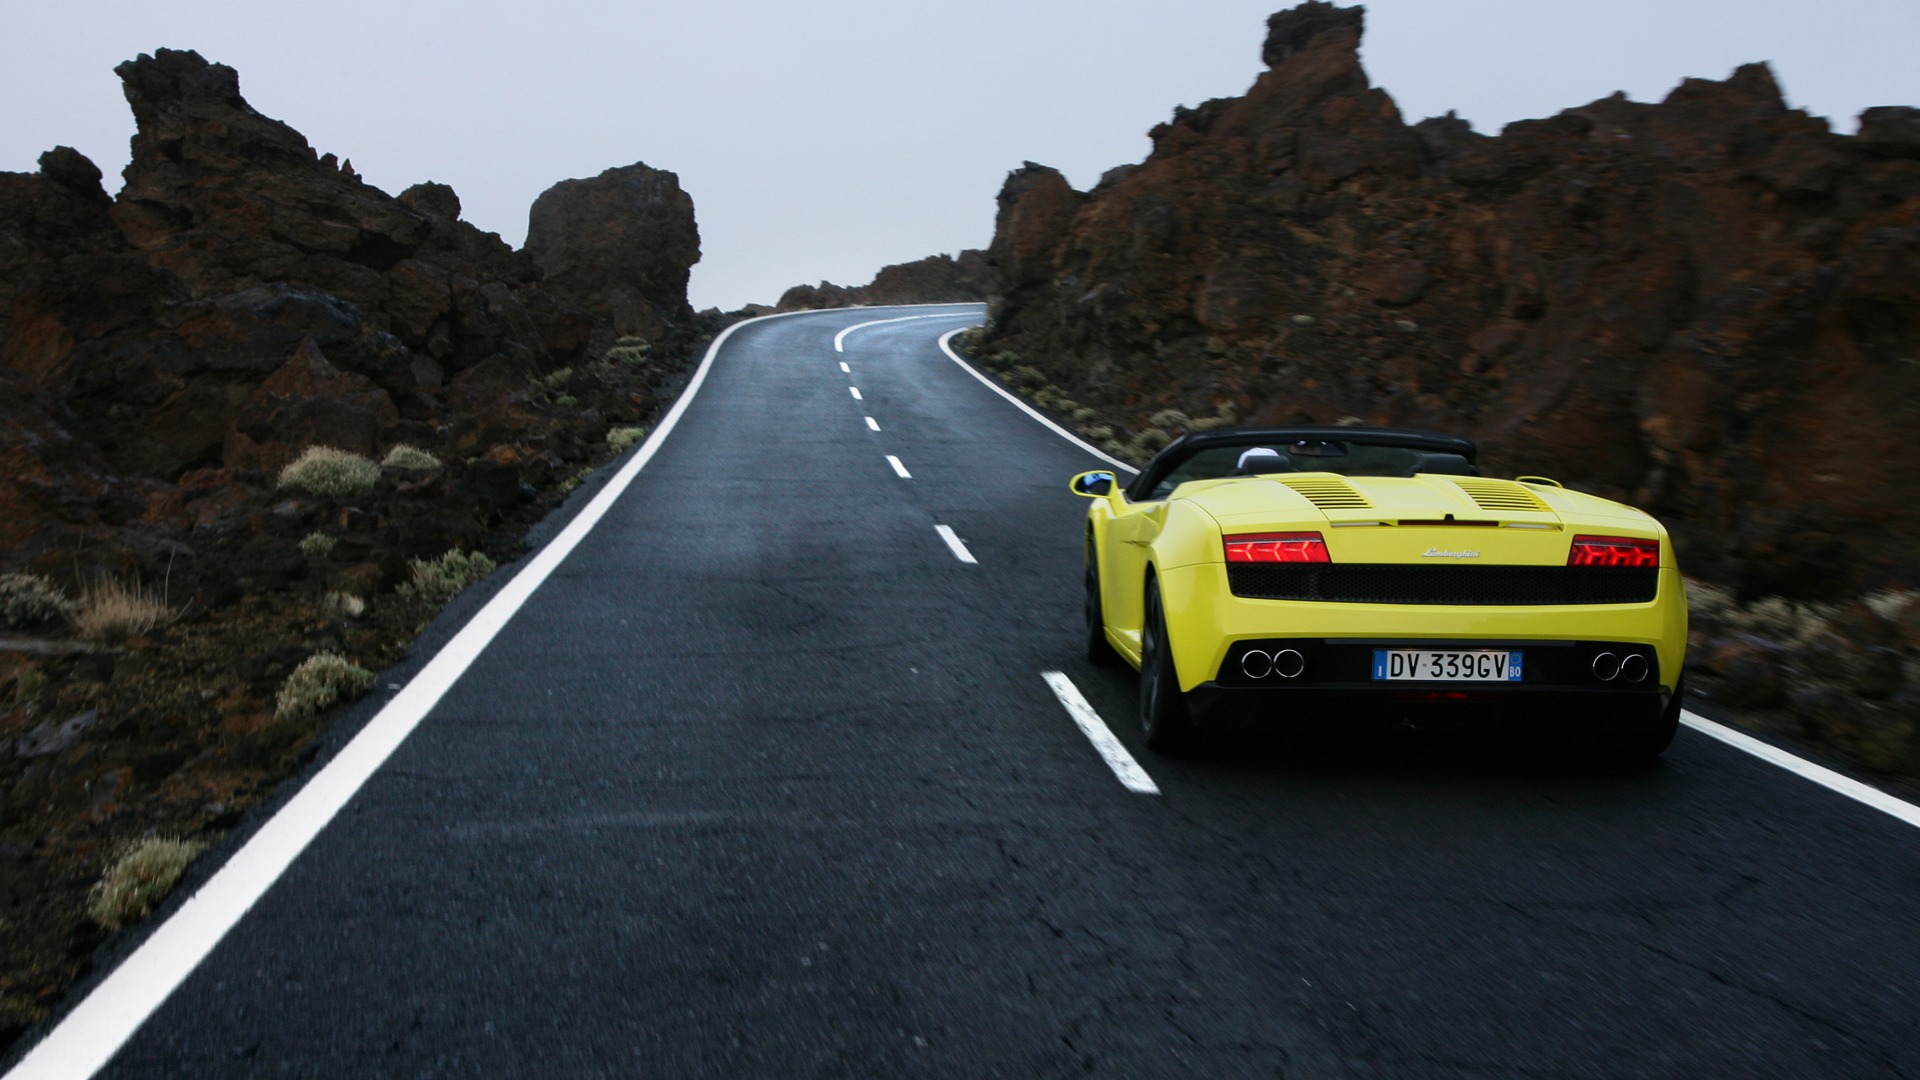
{"points": [[1606, 666], [1255, 664], [1634, 668], [1288, 663]]}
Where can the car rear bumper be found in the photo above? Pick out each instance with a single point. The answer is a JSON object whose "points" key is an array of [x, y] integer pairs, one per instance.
{"points": [[1208, 626]]}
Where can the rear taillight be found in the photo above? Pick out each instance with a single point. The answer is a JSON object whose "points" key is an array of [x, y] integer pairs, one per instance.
{"points": [[1613, 551], [1277, 548]]}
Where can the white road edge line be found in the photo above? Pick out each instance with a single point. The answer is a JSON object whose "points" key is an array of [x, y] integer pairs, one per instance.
{"points": [[1864, 794], [1799, 766], [855, 391], [840, 338], [873, 424], [1131, 775], [100, 1024], [899, 468], [955, 544], [946, 347]]}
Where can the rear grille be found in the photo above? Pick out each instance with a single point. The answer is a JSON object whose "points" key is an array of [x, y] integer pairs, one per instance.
{"points": [[1519, 586]]}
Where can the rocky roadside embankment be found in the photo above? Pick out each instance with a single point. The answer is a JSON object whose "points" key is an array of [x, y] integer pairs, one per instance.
{"points": [[936, 279], [186, 583], [1708, 307]]}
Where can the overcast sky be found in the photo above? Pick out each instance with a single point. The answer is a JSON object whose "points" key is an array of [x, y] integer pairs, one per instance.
{"points": [[826, 139]]}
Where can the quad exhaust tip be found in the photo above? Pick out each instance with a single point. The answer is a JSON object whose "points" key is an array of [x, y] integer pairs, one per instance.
{"points": [[1258, 663]]}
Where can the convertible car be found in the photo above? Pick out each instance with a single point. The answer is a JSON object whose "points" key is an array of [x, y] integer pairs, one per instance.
{"points": [[1323, 574]]}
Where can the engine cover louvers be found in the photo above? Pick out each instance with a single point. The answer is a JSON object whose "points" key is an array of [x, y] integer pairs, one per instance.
{"points": [[1328, 492], [1500, 495]]}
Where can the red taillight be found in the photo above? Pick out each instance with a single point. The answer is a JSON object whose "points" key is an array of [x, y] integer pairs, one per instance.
{"points": [[1277, 548], [1613, 551]]}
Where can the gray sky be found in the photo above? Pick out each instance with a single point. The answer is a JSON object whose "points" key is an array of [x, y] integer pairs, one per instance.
{"points": [[829, 138]]}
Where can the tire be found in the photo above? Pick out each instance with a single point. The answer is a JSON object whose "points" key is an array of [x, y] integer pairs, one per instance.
{"points": [[1164, 719], [1098, 650], [1651, 743]]}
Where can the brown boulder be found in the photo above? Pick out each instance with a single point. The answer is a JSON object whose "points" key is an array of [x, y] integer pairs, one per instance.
{"points": [[626, 239]]}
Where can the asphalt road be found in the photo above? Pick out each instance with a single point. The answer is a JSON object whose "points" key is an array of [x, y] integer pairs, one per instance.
{"points": [[764, 781]]}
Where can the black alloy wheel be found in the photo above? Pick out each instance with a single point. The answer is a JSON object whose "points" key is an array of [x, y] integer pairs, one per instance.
{"points": [[1163, 708], [1098, 650]]}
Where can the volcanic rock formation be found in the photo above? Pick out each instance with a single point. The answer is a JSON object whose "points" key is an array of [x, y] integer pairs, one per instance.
{"points": [[937, 279], [245, 296], [1708, 306], [625, 239]]}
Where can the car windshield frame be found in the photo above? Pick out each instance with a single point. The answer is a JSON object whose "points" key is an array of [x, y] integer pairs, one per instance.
{"points": [[1166, 464]]}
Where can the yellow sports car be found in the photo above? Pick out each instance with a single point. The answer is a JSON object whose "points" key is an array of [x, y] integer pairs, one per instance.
{"points": [[1283, 574]]}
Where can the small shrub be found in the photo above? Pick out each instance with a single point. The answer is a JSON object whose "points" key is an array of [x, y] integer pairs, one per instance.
{"points": [[329, 472], [1170, 420], [29, 685], [444, 577], [404, 456], [344, 604], [140, 878], [574, 481], [1028, 377], [629, 350], [28, 599], [317, 545], [1084, 415], [1046, 398], [566, 401], [1097, 433], [618, 439], [111, 608], [321, 681], [557, 378], [1209, 423], [1147, 443]]}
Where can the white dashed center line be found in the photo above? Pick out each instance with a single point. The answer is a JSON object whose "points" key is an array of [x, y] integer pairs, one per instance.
{"points": [[845, 368], [955, 544], [1131, 775], [899, 468], [855, 391], [873, 424]]}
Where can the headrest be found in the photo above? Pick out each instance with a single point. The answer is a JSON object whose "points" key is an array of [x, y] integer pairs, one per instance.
{"points": [[1259, 460], [1446, 465]]}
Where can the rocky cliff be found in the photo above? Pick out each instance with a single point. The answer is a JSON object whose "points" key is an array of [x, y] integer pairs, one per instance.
{"points": [[937, 279], [165, 353], [1709, 306]]}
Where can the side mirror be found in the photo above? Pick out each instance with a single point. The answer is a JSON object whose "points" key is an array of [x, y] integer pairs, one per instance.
{"points": [[1093, 484]]}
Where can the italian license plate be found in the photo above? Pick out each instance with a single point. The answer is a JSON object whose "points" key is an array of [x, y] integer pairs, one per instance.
{"points": [[1446, 665]]}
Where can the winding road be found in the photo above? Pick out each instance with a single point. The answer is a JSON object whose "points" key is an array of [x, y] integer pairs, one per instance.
{"points": [[768, 778]]}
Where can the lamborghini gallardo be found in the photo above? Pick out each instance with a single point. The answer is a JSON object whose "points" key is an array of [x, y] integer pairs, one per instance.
{"points": [[1313, 574]]}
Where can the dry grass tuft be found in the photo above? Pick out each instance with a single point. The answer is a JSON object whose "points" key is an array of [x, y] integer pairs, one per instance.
{"points": [[317, 545], [110, 608], [29, 599], [322, 681], [142, 877], [334, 473], [344, 604], [444, 577], [618, 439], [405, 456]]}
